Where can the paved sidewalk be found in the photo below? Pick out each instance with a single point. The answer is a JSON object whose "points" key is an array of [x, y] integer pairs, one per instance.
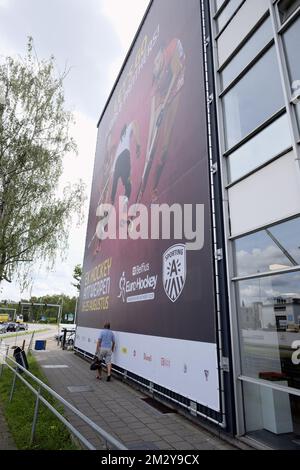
{"points": [[6, 441], [119, 409]]}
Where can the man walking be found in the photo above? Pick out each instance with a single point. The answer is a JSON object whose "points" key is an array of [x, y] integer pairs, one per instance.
{"points": [[105, 348]]}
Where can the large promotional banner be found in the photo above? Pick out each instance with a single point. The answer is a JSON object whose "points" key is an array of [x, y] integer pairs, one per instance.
{"points": [[158, 291]]}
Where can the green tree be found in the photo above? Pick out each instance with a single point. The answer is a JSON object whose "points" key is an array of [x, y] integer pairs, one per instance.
{"points": [[34, 138], [77, 273], [68, 306]]}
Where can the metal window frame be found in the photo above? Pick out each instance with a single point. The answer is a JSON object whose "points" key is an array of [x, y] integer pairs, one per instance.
{"points": [[235, 349], [267, 384], [266, 273], [210, 93], [279, 272], [255, 131], [238, 79], [247, 67], [258, 167], [264, 226], [285, 79], [242, 43]]}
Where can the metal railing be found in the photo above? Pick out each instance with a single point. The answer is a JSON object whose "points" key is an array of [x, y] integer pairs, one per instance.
{"points": [[109, 441]]}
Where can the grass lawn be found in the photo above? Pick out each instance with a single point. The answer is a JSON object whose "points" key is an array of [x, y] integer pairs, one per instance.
{"points": [[50, 433], [23, 333]]}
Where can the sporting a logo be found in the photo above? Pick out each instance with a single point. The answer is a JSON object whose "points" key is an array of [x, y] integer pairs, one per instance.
{"points": [[174, 271]]}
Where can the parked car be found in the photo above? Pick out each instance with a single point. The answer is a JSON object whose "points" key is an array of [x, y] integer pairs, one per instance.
{"points": [[3, 328], [11, 327], [22, 326], [70, 338]]}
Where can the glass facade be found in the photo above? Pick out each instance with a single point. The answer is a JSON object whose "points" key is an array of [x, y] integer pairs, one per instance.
{"points": [[227, 13], [272, 416], [253, 100], [269, 250], [251, 49], [272, 141], [258, 105], [269, 324]]}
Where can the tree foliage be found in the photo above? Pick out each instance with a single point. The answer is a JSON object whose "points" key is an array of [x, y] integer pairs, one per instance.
{"points": [[67, 303], [77, 273], [34, 139]]}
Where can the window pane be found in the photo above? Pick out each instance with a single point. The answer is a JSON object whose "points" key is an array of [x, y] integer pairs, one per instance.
{"points": [[250, 50], [291, 42], [245, 20], [227, 13], [267, 144], [269, 318], [286, 8], [272, 417], [219, 3], [275, 248], [255, 98]]}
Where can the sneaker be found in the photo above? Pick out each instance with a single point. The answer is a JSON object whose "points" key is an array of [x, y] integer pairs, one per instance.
{"points": [[108, 378]]}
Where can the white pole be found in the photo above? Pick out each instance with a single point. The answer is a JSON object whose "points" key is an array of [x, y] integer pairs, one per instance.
{"points": [[75, 318]]}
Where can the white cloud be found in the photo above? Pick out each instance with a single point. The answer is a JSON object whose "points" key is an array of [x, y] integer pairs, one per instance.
{"points": [[125, 17], [94, 43], [6, 48], [84, 133], [260, 260], [4, 3], [57, 281]]}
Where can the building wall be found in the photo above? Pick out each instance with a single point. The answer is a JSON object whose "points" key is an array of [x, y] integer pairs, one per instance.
{"points": [[257, 74]]}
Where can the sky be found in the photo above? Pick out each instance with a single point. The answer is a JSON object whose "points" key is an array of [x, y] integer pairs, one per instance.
{"points": [[91, 38]]}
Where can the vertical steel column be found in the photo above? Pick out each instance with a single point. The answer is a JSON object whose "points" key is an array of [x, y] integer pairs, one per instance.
{"points": [[209, 101]]}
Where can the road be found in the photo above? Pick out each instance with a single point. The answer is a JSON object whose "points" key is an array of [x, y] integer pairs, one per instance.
{"points": [[16, 339]]}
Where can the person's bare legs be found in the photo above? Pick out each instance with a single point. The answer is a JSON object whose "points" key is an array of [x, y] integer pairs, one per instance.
{"points": [[108, 372], [99, 375]]}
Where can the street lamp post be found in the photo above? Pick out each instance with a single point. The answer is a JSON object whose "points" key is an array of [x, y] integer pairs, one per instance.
{"points": [[76, 306]]}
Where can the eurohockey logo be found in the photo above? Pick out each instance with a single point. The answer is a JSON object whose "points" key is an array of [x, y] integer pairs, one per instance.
{"points": [[174, 271]]}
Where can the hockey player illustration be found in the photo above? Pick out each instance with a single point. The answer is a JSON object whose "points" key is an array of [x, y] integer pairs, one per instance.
{"points": [[168, 80]]}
